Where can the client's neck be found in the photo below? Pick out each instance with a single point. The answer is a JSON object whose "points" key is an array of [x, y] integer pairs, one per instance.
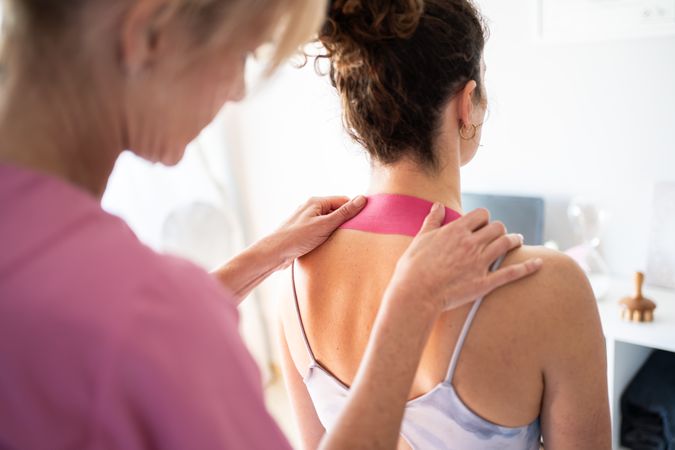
{"points": [[409, 178]]}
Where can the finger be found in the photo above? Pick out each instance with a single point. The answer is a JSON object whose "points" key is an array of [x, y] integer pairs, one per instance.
{"points": [[347, 211], [513, 273], [476, 219], [331, 204], [502, 246], [434, 219], [490, 232]]}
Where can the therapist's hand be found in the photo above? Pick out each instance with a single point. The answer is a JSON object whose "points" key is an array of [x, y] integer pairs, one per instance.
{"points": [[449, 266], [311, 225]]}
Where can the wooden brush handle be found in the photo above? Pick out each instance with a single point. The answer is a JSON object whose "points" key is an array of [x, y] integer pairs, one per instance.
{"points": [[639, 281]]}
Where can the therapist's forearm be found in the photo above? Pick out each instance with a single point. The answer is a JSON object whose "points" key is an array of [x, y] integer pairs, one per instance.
{"points": [[246, 271], [373, 416], [309, 227]]}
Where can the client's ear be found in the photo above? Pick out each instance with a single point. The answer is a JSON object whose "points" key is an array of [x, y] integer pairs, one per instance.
{"points": [[466, 103]]}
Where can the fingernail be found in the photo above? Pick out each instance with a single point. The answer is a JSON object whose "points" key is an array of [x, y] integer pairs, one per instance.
{"points": [[522, 238], [538, 262], [359, 201], [436, 207]]}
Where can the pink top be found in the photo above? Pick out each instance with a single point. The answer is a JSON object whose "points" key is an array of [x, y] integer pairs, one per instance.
{"points": [[395, 214], [106, 344]]}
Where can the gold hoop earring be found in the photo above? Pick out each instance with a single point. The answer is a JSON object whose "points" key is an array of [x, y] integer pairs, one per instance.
{"points": [[463, 132]]}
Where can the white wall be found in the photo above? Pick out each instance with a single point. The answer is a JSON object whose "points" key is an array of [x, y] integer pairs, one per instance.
{"points": [[592, 119], [596, 119]]}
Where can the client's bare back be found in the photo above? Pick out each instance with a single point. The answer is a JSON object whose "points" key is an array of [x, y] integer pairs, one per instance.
{"points": [[535, 349], [499, 375]]}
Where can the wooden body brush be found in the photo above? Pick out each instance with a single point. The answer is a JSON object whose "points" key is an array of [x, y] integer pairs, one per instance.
{"points": [[637, 308]]}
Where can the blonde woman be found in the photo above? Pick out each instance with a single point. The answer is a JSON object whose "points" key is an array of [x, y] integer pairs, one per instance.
{"points": [[106, 344]]}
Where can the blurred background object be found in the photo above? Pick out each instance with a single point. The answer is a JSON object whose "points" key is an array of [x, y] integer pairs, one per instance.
{"points": [[588, 219], [661, 261], [524, 215]]}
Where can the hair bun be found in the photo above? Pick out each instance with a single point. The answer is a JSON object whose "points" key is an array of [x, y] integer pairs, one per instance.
{"points": [[373, 20]]}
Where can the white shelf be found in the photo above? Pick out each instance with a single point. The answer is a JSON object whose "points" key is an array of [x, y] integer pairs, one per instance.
{"points": [[658, 334], [630, 344]]}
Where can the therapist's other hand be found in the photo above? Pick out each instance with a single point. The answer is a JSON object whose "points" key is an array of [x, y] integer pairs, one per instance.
{"points": [[309, 227], [312, 224], [449, 266]]}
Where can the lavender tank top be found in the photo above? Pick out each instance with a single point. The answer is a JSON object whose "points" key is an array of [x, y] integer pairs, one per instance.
{"points": [[439, 419]]}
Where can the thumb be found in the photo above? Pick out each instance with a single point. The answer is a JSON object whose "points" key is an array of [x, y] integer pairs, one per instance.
{"points": [[347, 211], [434, 219]]}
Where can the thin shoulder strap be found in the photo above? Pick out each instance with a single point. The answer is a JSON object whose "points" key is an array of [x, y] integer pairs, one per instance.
{"points": [[297, 309], [467, 326]]}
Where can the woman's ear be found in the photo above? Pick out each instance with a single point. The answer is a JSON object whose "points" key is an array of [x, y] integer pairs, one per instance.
{"points": [[143, 27], [466, 103]]}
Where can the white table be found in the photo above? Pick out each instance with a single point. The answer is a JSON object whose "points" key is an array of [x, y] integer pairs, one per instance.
{"points": [[629, 344]]}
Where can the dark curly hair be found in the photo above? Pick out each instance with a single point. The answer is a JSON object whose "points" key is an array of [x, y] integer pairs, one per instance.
{"points": [[396, 64]]}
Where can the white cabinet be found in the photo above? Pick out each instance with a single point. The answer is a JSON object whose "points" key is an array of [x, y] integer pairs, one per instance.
{"points": [[629, 344]]}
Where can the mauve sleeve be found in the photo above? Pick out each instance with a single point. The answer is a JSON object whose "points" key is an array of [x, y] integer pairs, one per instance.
{"points": [[180, 376]]}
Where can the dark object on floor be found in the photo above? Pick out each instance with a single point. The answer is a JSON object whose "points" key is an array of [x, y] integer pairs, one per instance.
{"points": [[648, 405]]}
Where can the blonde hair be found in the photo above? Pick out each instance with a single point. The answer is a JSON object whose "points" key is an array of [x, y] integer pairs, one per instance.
{"points": [[299, 23], [285, 24]]}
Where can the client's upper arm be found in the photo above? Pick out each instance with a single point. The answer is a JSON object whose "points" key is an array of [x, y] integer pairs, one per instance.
{"points": [[575, 407], [309, 426]]}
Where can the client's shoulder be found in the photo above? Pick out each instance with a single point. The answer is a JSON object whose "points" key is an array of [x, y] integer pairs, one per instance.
{"points": [[549, 315], [559, 290], [559, 273]]}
